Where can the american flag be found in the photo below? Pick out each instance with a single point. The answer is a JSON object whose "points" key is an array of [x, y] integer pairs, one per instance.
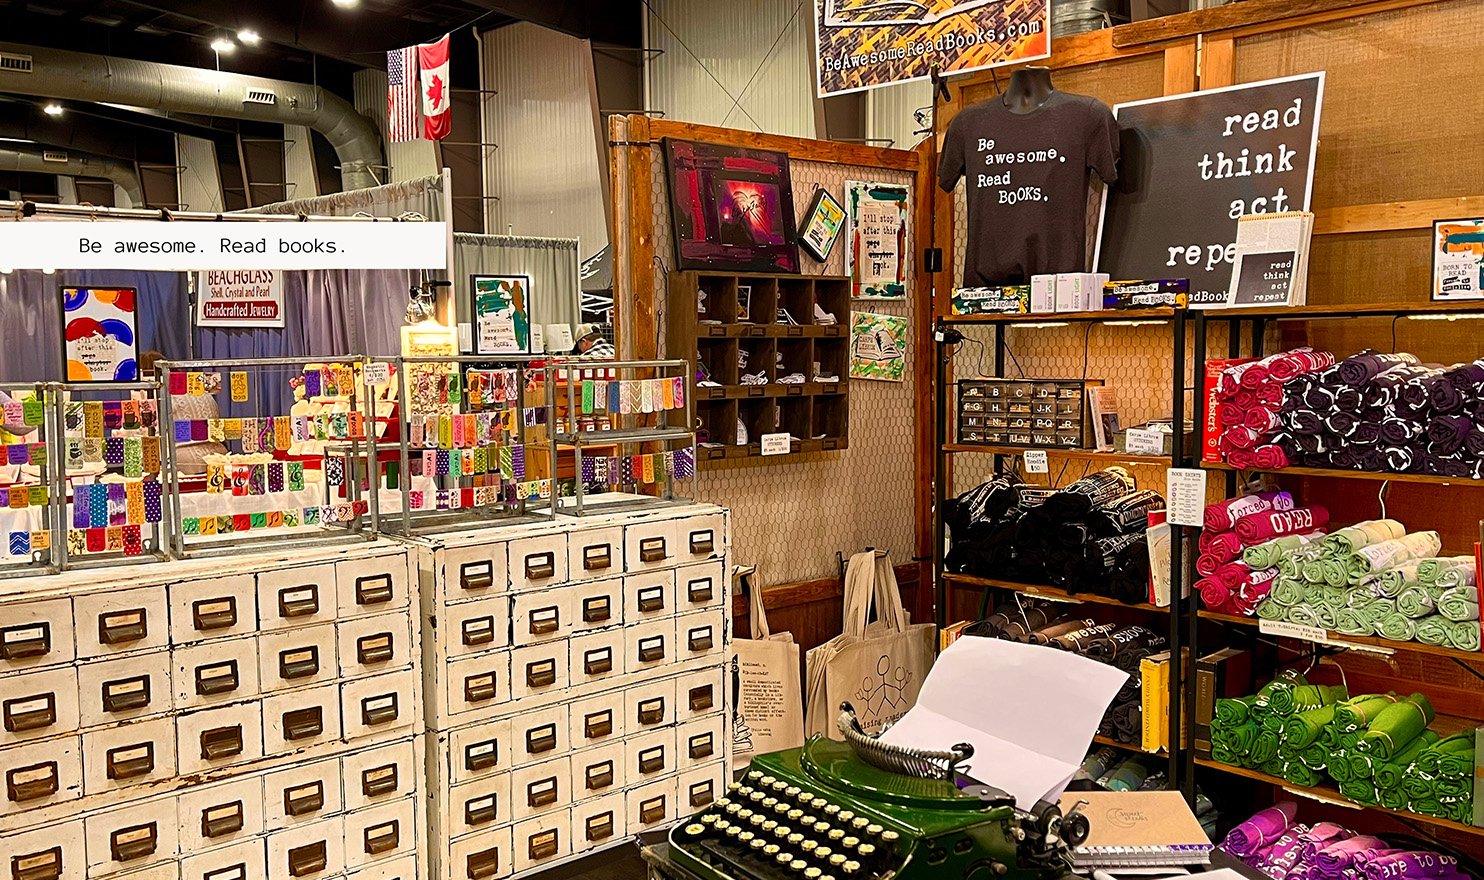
{"points": [[401, 95]]}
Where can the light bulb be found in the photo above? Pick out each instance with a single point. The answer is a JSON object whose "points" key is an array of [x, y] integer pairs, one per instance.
{"points": [[248, 37], [223, 45], [52, 109], [48, 271]]}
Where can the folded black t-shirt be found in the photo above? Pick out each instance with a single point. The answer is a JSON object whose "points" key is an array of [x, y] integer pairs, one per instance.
{"points": [[1027, 183]]}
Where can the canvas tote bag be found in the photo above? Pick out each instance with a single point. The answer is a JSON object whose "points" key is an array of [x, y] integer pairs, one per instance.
{"points": [[767, 699], [877, 667]]}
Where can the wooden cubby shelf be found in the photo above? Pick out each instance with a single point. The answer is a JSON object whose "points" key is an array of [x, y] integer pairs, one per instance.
{"points": [[1047, 592], [745, 311]]}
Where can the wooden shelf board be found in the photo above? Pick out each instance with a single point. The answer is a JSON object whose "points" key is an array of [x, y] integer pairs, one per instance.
{"points": [[1336, 473], [1128, 747], [1408, 647], [1047, 591], [1079, 454], [711, 393], [771, 331], [1348, 310], [1102, 316]]}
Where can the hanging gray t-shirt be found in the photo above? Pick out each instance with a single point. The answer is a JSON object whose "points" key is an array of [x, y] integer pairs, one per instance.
{"points": [[1027, 183]]}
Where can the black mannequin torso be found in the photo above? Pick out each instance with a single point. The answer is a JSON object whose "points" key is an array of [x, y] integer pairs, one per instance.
{"points": [[1029, 89]]}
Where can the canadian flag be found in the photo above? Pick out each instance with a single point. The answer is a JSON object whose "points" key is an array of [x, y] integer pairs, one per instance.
{"points": [[432, 62]]}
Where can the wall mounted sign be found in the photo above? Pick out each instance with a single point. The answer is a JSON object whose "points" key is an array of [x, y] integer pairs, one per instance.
{"points": [[100, 338], [822, 225], [239, 298], [1457, 259], [501, 309], [877, 219], [731, 207], [878, 344]]}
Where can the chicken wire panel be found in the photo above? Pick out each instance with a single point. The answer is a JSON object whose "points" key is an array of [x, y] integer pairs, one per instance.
{"points": [[790, 517]]}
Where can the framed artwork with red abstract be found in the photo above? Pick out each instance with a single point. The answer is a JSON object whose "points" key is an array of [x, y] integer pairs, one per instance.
{"points": [[731, 207], [100, 336]]}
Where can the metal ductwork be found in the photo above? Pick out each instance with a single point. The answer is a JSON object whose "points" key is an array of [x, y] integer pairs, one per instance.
{"points": [[40, 160], [77, 76]]}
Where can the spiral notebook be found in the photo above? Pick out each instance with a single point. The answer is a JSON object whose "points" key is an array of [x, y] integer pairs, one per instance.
{"points": [[1135, 829]]}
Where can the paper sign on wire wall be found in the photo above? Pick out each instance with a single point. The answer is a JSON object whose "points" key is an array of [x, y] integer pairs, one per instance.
{"points": [[239, 298]]}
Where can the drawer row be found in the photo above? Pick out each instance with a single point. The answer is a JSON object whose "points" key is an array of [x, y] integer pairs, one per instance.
{"points": [[159, 750], [108, 623], [54, 701], [570, 557]]}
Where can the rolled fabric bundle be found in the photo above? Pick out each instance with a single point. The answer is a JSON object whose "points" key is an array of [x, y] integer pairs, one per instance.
{"points": [[1398, 459], [1301, 730], [1414, 602], [1433, 631], [1358, 712], [1334, 571], [1362, 766], [1430, 570], [1096, 763], [1350, 622], [1229, 414], [1459, 603], [1358, 369], [1245, 398], [1474, 442], [1267, 554], [1397, 432], [1457, 576], [1367, 432], [1385, 554], [1467, 378], [1126, 513], [1410, 865], [1338, 766], [1286, 592], [1270, 610], [1260, 420], [1291, 565], [1225, 547], [1326, 617], [1234, 712], [1321, 835], [1221, 517], [1397, 725], [1463, 635], [1430, 759], [1044, 635], [1306, 421], [1389, 774], [1395, 579], [1349, 399], [1270, 396], [1299, 773], [1397, 627], [1362, 791], [1129, 776], [1458, 763], [1342, 543], [1239, 437], [1261, 527], [1214, 594], [1334, 860], [1446, 433], [1306, 615], [1414, 397], [1206, 565], [1257, 587], [1241, 459], [1340, 423], [1320, 399], [1271, 457], [1233, 575]]}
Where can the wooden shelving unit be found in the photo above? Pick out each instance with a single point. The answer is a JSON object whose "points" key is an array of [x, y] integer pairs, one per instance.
{"points": [[1046, 592], [1373, 641]]}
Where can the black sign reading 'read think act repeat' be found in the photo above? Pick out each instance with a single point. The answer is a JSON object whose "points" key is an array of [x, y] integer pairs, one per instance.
{"points": [[1192, 164]]}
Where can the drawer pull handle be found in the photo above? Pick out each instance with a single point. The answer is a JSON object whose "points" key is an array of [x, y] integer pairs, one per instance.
{"points": [[31, 782], [373, 589], [45, 865], [598, 724], [652, 760], [597, 609], [545, 620], [219, 821], [597, 557], [300, 800], [482, 756], [382, 838], [485, 863], [541, 739], [127, 762], [117, 627], [26, 640], [543, 845], [209, 614], [478, 631], [702, 541], [653, 550], [478, 688], [379, 710], [600, 827], [700, 590], [309, 859], [126, 693], [30, 713], [652, 649], [599, 776], [477, 575], [299, 662], [300, 601], [652, 599], [542, 792], [376, 781], [652, 810], [221, 742], [231, 872], [478, 811], [598, 661], [303, 723], [702, 793], [376, 648], [652, 711], [701, 746], [541, 673], [540, 565], [219, 678], [134, 842], [699, 638], [701, 699]]}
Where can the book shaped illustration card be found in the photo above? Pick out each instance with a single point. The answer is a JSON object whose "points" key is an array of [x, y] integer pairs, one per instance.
{"points": [[1271, 266], [1138, 829], [1457, 260]]}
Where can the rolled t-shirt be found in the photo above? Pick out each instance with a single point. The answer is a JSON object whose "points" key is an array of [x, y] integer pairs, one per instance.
{"points": [[1027, 181]]}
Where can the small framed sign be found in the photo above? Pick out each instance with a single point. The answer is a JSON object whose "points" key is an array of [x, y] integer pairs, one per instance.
{"points": [[822, 224], [1458, 260]]}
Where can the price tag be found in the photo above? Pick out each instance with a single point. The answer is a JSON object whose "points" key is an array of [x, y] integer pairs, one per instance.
{"points": [[1035, 461], [1186, 496], [1144, 441], [378, 374], [1284, 629], [775, 444]]}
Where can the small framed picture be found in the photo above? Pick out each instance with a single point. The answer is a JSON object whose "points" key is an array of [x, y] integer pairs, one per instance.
{"points": [[1457, 259], [822, 225]]}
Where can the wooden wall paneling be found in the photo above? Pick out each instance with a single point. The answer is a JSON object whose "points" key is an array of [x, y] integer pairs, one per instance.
{"points": [[1218, 62], [798, 149], [1180, 67], [1418, 214], [1253, 15]]}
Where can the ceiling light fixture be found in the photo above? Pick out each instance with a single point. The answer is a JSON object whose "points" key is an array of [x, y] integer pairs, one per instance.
{"points": [[52, 109], [48, 271], [248, 37], [347, 4], [223, 46]]}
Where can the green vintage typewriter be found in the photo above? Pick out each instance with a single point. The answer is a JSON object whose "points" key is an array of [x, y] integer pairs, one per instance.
{"points": [[866, 810]]}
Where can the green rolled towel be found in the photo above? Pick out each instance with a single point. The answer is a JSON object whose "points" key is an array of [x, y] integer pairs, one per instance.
{"points": [[1350, 622], [1244, 737], [1335, 572], [1273, 767], [1459, 603], [1461, 812], [1460, 576], [1434, 591], [1326, 617], [1267, 555], [1453, 786], [1286, 591], [1430, 570], [1463, 635], [1398, 627], [1391, 773], [1234, 712], [1332, 597], [1299, 773], [1272, 722], [1362, 791], [1433, 631], [1393, 580], [1414, 602], [1264, 747], [1362, 766], [1338, 766], [1289, 701], [1316, 756], [1348, 741], [1270, 610], [1427, 806], [1431, 759], [1392, 798], [1304, 615], [1302, 730], [1340, 544], [1285, 681], [1385, 554], [1292, 564], [1223, 755], [1397, 725], [1417, 786], [1358, 712], [1312, 571]]}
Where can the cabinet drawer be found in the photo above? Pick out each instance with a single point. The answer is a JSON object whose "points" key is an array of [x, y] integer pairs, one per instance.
{"points": [[404, 868], [215, 673], [378, 705], [213, 815], [650, 645], [378, 775], [297, 597], [116, 690], [213, 608], [55, 852], [297, 657], [595, 553], [240, 861], [474, 572], [650, 755], [121, 620], [302, 794], [36, 634], [479, 751], [699, 742], [699, 693], [597, 656], [648, 596], [476, 627], [536, 563], [312, 850], [219, 737], [37, 704], [482, 856], [300, 719], [596, 720], [540, 788], [369, 645], [598, 771], [162, 871], [371, 586], [696, 789], [38, 774], [699, 634], [477, 683], [136, 753], [541, 840], [597, 605], [542, 616], [483, 803], [539, 669], [380, 832], [700, 586], [648, 706], [596, 822], [650, 805], [136, 836], [701, 537], [650, 546], [538, 735]]}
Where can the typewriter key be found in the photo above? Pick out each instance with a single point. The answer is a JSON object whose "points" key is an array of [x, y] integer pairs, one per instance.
{"points": [[771, 850], [850, 869], [780, 785], [809, 846], [754, 774], [836, 834], [851, 842], [734, 809], [733, 786], [756, 797], [695, 830], [784, 858], [781, 809], [768, 801], [866, 850], [821, 827], [812, 873], [845, 816], [794, 815], [859, 822], [822, 852], [792, 791], [722, 825], [710, 819], [807, 820], [818, 803], [890, 837], [806, 796], [837, 860], [769, 824], [767, 780], [734, 830], [798, 865], [746, 837], [757, 819], [782, 832], [832, 810], [873, 829], [795, 839], [828, 877], [757, 843]]}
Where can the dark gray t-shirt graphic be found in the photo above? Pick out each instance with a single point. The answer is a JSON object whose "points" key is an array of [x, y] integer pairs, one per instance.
{"points": [[1027, 183]]}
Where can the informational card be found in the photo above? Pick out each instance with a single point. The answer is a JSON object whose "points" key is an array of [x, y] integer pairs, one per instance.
{"points": [[558, 337], [1187, 496], [497, 335], [1035, 461], [1144, 441], [776, 444], [378, 374]]}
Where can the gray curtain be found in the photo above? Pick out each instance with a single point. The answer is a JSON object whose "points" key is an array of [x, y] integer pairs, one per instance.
{"points": [[551, 263], [423, 196]]}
